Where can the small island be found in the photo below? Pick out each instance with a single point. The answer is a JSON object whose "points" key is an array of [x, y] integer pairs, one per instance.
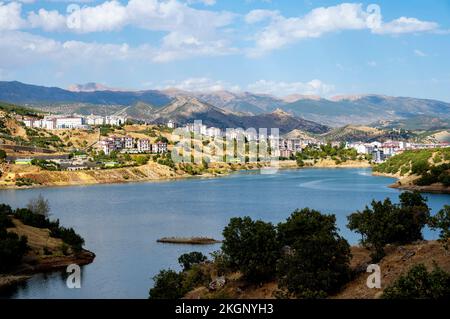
{"points": [[189, 240]]}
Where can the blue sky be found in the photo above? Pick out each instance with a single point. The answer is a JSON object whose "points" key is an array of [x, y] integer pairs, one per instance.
{"points": [[278, 47]]}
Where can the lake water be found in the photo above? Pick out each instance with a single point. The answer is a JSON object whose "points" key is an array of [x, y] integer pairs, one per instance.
{"points": [[121, 223]]}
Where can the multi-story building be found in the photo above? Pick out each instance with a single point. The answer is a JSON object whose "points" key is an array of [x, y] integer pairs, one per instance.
{"points": [[128, 142], [143, 145], [69, 122], [159, 147]]}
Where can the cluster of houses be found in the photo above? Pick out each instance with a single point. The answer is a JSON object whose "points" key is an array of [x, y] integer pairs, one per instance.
{"points": [[55, 122], [128, 144], [382, 151]]}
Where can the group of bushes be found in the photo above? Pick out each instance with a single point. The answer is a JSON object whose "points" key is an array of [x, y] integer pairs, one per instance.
{"points": [[170, 284], [339, 154], [67, 235], [306, 254], [435, 174]]}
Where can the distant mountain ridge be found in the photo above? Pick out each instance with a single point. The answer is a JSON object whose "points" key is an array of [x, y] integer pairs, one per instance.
{"points": [[362, 109]]}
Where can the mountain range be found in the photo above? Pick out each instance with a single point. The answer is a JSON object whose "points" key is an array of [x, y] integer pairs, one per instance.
{"points": [[225, 108]]}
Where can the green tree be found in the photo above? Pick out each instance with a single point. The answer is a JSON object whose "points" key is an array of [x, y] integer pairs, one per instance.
{"points": [[168, 285], [441, 222], [418, 283], [388, 223], [316, 259], [251, 247], [189, 259]]}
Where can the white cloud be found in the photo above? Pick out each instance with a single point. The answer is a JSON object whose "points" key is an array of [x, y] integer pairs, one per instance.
{"points": [[280, 31], [10, 16], [205, 2], [406, 25], [47, 20], [314, 87], [420, 53], [202, 84], [21, 48], [190, 32]]}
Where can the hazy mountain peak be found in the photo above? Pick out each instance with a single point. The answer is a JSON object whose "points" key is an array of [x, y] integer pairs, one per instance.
{"points": [[297, 97]]}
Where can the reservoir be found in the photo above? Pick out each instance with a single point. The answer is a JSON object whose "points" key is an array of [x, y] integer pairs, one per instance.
{"points": [[121, 223]]}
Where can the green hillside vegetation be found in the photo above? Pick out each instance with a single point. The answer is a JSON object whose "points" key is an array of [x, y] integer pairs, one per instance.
{"points": [[431, 165], [20, 110], [339, 154]]}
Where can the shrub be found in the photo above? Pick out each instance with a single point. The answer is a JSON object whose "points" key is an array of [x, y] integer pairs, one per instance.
{"points": [[317, 259], [418, 283], [251, 247], [68, 236], [168, 285], [386, 223], [195, 277], [190, 259], [12, 249]]}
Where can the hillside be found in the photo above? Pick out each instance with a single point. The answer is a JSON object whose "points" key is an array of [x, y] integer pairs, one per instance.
{"points": [[353, 133], [398, 260], [424, 170]]}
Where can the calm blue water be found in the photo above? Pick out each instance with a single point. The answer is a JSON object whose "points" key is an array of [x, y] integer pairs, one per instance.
{"points": [[121, 223]]}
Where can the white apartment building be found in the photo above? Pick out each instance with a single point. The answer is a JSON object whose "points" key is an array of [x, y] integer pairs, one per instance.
{"points": [[95, 120], [69, 122]]}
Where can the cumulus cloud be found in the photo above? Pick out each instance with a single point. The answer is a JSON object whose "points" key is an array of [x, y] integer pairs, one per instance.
{"points": [[314, 87], [190, 32], [280, 31], [22, 48], [10, 16]]}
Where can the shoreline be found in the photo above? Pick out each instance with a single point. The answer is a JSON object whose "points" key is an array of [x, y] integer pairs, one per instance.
{"points": [[406, 183], [173, 176], [27, 271]]}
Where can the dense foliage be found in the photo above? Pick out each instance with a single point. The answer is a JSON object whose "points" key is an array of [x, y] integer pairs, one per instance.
{"points": [[316, 260], [419, 283], [251, 247], [339, 153], [168, 285], [189, 259], [386, 223], [12, 247]]}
